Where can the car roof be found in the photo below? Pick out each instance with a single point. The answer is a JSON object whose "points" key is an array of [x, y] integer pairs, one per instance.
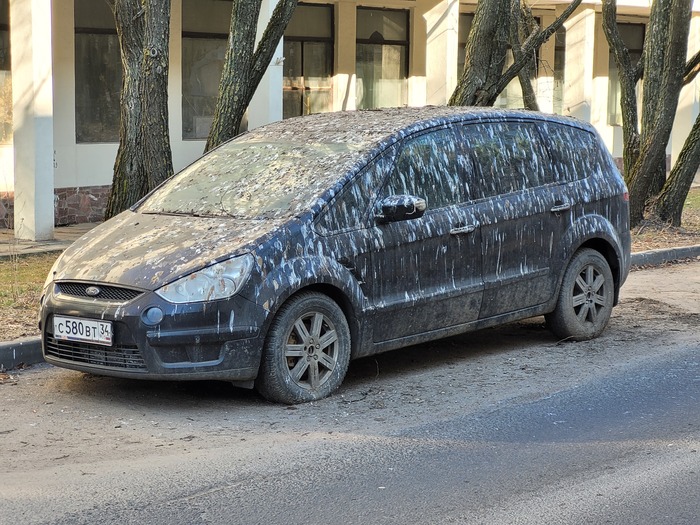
{"points": [[367, 128]]}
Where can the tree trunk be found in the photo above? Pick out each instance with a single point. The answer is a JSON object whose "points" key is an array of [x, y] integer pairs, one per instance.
{"points": [[654, 58], [144, 158], [483, 78], [628, 81], [485, 53], [653, 147], [244, 65], [669, 205], [523, 25]]}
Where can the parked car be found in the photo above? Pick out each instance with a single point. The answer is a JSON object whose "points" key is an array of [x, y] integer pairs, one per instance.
{"points": [[278, 257]]}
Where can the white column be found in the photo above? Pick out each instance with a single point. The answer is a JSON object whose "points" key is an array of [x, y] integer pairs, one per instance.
{"points": [[266, 105], [545, 73], [434, 51], [688, 103], [586, 71], [344, 94], [32, 93]]}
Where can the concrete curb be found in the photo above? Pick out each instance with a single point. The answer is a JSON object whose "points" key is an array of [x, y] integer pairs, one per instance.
{"points": [[664, 255], [28, 350], [20, 351]]}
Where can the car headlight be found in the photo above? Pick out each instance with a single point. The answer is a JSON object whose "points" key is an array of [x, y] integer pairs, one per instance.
{"points": [[218, 281]]}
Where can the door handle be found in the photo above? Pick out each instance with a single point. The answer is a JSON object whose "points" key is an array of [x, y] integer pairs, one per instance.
{"points": [[469, 228], [558, 208]]}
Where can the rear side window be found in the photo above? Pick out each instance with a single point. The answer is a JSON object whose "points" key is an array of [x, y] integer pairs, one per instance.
{"points": [[433, 166], [509, 156], [574, 152]]}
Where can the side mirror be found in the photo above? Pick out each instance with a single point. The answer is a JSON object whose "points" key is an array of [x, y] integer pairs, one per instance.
{"points": [[401, 208]]}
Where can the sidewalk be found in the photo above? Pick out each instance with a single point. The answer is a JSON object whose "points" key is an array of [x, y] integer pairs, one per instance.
{"points": [[28, 350], [63, 237]]}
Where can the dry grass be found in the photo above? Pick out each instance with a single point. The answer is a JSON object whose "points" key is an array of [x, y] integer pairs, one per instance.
{"points": [[652, 235], [21, 278]]}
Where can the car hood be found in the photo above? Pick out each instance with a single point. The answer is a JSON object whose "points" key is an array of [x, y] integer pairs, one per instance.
{"points": [[148, 251]]}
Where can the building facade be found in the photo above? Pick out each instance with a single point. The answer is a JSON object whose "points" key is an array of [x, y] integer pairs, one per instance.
{"points": [[60, 77]]}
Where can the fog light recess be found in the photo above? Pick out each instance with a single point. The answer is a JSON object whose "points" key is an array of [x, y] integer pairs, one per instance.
{"points": [[153, 315]]}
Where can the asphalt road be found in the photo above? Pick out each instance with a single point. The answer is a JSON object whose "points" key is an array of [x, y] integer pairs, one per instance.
{"points": [[504, 426]]}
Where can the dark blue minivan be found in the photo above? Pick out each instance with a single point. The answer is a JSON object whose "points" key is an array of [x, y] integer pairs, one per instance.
{"points": [[278, 257]]}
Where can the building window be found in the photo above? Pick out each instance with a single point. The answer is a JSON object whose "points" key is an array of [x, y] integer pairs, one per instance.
{"points": [[465, 26], [5, 75], [633, 37], [382, 58], [308, 61], [204, 39], [202, 63], [559, 63], [98, 73]]}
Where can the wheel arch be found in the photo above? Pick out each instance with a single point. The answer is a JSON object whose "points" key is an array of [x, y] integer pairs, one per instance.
{"points": [[607, 250], [337, 295]]}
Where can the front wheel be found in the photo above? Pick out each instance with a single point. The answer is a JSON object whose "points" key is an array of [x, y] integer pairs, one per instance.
{"points": [[306, 352], [585, 299]]}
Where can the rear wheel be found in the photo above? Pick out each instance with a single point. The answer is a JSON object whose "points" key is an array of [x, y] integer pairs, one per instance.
{"points": [[307, 350], [585, 299]]}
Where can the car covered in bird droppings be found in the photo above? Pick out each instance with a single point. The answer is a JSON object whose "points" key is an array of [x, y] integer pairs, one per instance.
{"points": [[278, 257]]}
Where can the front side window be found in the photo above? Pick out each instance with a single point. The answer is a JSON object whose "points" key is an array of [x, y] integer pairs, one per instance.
{"points": [[381, 58], [308, 61], [349, 210], [98, 73], [432, 166]]}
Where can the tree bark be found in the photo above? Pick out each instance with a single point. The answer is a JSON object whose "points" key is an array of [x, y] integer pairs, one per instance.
{"points": [[628, 81], [244, 64], [144, 158], [653, 146], [522, 26], [654, 58], [483, 78], [485, 53], [669, 205]]}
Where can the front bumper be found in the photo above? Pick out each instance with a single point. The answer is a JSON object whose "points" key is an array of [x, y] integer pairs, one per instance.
{"points": [[215, 340]]}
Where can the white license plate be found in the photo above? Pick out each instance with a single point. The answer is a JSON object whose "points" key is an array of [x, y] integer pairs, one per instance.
{"points": [[87, 330]]}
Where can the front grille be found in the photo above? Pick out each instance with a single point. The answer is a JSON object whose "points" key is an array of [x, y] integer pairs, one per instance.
{"points": [[121, 357], [106, 293]]}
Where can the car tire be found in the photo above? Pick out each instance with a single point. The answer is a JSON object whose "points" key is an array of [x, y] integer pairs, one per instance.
{"points": [[585, 299], [306, 352]]}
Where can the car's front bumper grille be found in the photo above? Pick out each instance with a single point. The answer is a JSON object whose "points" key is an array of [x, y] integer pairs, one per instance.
{"points": [[119, 357], [99, 292]]}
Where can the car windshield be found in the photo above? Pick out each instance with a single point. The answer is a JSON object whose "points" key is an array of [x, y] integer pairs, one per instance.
{"points": [[253, 180]]}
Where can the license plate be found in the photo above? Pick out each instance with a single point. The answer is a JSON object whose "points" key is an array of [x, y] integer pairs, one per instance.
{"points": [[86, 330]]}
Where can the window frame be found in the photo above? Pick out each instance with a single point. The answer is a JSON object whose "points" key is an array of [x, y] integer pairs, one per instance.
{"points": [[406, 44]]}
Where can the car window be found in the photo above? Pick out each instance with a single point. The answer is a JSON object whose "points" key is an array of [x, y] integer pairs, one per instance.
{"points": [[574, 152], [432, 166], [509, 156], [349, 209]]}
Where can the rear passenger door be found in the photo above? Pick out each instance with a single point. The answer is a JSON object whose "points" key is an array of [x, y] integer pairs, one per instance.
{"points": [[521, 215]]}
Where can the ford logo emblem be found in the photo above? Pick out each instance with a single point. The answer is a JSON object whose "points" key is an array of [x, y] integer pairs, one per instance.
{"points": [[92, 291]]}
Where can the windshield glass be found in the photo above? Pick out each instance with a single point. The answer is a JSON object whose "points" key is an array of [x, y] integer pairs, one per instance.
{"points": [[253, 180]]}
